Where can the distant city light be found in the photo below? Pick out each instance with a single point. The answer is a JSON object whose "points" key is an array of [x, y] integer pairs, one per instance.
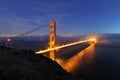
{"points": [[8, 40]]}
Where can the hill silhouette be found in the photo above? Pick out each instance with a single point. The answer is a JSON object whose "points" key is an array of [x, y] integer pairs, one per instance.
{"points": [[25, 65]]}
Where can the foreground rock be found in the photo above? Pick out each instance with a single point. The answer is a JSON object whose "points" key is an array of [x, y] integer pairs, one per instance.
{"points": [[25, 65]]}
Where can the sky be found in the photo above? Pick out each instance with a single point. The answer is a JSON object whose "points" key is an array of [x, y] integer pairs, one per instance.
{"points": [[77, 17]]}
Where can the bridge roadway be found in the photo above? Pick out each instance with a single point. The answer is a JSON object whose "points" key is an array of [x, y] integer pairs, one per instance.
{"points": [[66, 45]]}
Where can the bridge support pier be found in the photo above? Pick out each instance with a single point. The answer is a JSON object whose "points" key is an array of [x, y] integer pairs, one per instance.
{"points": [[52, 38]]}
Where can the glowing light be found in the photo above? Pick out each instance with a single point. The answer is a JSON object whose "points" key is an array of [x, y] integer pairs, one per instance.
{"points": [[76, 61], [66, 45], [8, 40]]}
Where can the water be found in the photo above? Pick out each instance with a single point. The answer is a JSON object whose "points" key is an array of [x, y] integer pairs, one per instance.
{"points": [[96, 62]]}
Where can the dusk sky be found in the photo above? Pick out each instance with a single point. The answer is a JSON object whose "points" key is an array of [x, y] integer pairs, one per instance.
{"points": [[77, 17]]}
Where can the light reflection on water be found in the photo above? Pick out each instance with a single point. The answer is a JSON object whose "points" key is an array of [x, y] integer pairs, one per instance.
{"points": [[74, 62]]}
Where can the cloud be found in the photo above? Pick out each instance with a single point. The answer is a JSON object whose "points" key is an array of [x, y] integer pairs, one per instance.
{"points": [[36, 14], [14, 26], [10, 23]]}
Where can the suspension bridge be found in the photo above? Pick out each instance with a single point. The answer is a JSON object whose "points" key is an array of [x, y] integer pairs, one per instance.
{"points": [[40, 45]]}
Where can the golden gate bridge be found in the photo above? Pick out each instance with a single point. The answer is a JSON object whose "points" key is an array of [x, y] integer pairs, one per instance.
{"points": [[52, 43]]}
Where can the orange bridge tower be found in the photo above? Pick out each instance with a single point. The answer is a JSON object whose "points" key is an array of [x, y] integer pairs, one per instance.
{"points": [[52, 38]]}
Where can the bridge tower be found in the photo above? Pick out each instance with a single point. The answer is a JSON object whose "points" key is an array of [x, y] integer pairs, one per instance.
{"points": [[52, 42]]}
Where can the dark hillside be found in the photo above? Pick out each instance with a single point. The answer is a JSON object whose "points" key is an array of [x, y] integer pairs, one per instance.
{"points": [[25, 65]]}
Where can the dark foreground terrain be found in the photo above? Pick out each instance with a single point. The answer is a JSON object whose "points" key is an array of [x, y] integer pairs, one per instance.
{"points": [[25, 65]]}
